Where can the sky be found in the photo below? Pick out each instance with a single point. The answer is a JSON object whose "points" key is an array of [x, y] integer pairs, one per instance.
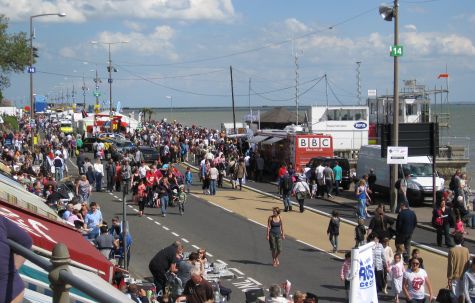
{"points": [[179, 52]]}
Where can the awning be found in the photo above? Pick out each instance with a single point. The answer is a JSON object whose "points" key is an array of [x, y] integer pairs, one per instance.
{"points": [[257, 139], [272, 140], [45, 233]]}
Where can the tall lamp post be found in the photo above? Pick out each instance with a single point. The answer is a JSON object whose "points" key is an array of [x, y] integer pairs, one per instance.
{"points": [[31, 69], [171, 105], [388, 13], [110, 69]]}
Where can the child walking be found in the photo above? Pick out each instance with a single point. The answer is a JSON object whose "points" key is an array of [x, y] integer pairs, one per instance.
{"points": [[397, 270], [360, 233], [188, 179], [345, 273], [333, 230]]}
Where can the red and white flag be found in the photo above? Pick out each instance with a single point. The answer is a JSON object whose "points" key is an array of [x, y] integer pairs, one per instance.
{"points": [[443, 76]]}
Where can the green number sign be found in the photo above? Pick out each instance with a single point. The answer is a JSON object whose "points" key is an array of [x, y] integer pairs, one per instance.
{"points": [[96, 94], [396, 50]]}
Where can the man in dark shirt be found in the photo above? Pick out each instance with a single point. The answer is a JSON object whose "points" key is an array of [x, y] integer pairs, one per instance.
{"points": [[197, 289], [406, 222], [165, 260]]}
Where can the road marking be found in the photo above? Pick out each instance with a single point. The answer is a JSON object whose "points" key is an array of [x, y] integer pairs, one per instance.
{"points": [[247, 283], [320, 249], [208, 254], [221, 261], [175, 234], [185, 240], [111, 194], [195, 246], [115, 197], [222, 207], [130, 206], [165, 228], [158, 223], [135, 210], [72, 163], [150, 218], [237, 271], [258, 223], [434, 250]]}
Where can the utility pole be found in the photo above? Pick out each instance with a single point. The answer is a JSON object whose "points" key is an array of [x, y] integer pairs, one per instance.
{"points": [[250, 108], [358, 82], [84, 89], [232, 96], [297, 86]]}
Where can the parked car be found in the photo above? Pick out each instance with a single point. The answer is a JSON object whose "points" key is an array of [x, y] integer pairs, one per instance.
{"points": [[124, 145], [149, 154], [345, 167], [88, 142], [112, 135]]}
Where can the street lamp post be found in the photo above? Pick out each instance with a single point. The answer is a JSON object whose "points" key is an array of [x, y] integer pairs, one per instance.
{"points": [[31, 69], [110, 68], [171, 105], [388, 13]]}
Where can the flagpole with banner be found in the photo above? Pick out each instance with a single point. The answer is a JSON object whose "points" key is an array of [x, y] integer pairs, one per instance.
{"points": [[362, 275]]}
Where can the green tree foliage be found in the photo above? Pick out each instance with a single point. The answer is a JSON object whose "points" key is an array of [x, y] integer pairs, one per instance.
{"points": [[14, 53]]}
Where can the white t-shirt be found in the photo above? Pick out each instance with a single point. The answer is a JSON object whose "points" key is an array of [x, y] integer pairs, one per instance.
{"points": [[416, 283]]}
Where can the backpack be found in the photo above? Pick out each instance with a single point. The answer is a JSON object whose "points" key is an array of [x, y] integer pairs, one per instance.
{"points": [[57, 162], [286, 182], [452, 183], [398, 184]]}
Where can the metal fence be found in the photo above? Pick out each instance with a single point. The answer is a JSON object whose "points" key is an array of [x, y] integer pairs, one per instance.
{"points": [[60, 276]]}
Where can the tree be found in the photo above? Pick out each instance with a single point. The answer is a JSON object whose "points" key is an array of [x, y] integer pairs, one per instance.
{"points": [[148, 111], [14, 53]]}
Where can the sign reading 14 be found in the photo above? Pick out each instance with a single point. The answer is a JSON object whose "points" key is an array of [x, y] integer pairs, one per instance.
{"points": [[396, 50]]}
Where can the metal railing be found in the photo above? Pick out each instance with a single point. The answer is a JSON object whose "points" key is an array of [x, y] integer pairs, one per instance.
{"points": [[59, 274], [454, 147]]}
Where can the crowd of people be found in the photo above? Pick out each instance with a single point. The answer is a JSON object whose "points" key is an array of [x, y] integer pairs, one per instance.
{"points": [[44, 168]]}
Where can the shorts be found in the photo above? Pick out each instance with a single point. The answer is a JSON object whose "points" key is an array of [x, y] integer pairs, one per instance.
{"points": [[275, 243]]}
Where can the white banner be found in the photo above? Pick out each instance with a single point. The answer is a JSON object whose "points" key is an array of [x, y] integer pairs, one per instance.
{"points": [[362, 277]]}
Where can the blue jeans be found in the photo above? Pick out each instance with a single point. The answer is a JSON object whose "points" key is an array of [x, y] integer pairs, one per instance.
{"points": [[337, 187], [333, 240], [58, 173], [98, 181], [212, 187], [164, 204], [361, 208], [286, 198]]}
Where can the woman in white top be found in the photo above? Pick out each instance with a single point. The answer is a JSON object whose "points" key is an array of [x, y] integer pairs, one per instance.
{"points": [[301, 190], [213, 178], [99, 170]]}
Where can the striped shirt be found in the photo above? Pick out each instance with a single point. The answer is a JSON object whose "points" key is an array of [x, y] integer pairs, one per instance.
{"points": [[379, 260]]}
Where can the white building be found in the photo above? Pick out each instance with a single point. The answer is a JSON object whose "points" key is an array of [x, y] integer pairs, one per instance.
{"points": [[348, 125]]}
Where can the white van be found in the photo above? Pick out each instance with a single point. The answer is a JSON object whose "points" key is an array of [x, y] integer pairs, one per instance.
{"points": [[420, 168]]}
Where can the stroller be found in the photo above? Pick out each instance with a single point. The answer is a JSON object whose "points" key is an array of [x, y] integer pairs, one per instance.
{"points": [[179, 198]]}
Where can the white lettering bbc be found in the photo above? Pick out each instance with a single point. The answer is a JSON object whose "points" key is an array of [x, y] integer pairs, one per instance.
{"points": [[315, 142]]}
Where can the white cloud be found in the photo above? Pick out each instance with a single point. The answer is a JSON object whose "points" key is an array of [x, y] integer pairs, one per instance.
{"points": [[295, 25], [67, 52], [157, 42], [81, 10], [410, 27], [134, 26], [438, 43]]}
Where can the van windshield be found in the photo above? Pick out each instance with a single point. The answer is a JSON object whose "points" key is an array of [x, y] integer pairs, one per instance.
{"points": [[418, 169]]}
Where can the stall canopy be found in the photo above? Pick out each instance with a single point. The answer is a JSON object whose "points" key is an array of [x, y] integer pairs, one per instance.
{"points": [[45, 233], [272, 140], [258, 139], [280, 117]]}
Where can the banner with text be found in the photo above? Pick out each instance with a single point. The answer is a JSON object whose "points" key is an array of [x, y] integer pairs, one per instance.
{"points": [[362, 277]]}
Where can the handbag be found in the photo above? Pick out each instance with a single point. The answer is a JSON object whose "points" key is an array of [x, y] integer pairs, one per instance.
{"points": [[300, 195], [444, 295]]}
